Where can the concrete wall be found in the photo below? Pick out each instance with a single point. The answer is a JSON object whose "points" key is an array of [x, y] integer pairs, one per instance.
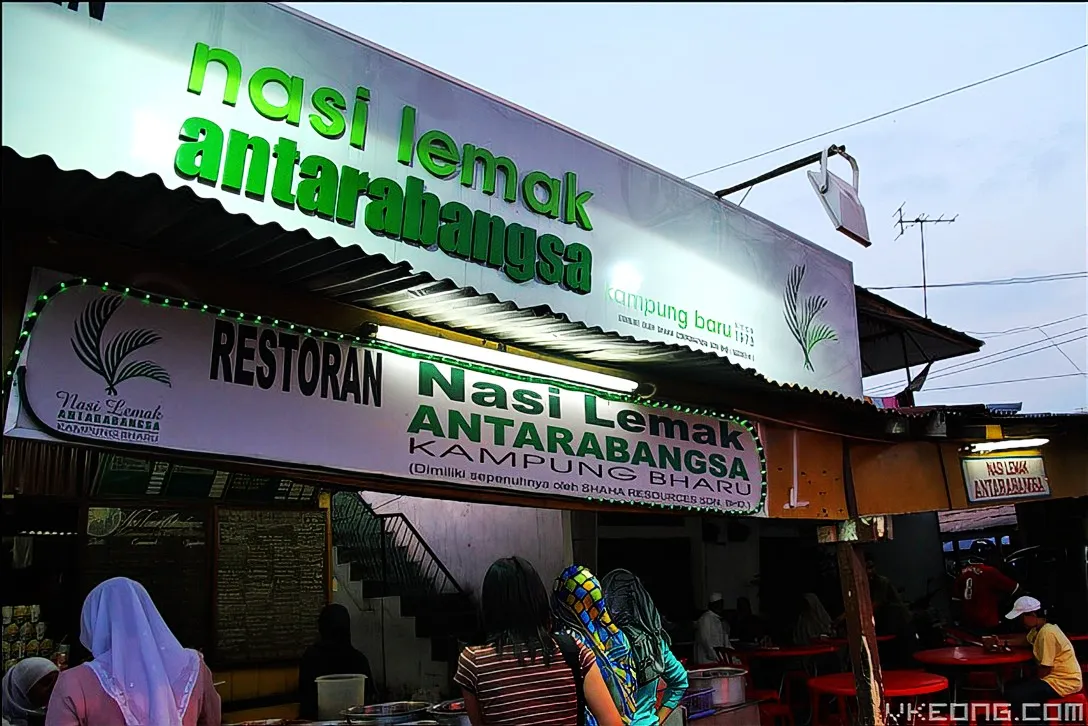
{"points": [[469, 537], [400, 662]]}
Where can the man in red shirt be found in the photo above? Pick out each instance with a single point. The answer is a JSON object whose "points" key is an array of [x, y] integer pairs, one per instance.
{"points": [[980, 590]]}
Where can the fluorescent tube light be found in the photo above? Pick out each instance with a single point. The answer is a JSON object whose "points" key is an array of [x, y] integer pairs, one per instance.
{"points": [[509, 361], [1008, 444]]}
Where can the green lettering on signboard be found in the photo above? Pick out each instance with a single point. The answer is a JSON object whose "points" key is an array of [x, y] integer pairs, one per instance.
{"points": [[237, 161]]}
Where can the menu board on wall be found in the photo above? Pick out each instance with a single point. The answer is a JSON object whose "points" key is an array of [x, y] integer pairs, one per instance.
{"points": [[165, 550], [125, 477], [129, 477], [246, 487], [270, 584]]}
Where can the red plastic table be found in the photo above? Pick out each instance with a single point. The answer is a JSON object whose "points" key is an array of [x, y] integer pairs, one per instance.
{"points": [[970, 656], [843, 642], [790, 651], [897, 684]]}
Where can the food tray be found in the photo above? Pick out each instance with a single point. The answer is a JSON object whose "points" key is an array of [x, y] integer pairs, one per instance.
{"points": [[698, 702]]}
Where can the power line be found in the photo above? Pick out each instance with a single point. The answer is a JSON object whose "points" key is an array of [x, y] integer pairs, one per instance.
{"points": [[1058, 348], [889, 113], [1000, 355], [1056, 277], [1022, 329], [992, 383], [1011, 380], [889, 387], [971, 365]]}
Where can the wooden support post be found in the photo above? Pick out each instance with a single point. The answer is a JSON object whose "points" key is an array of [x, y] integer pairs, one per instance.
{"points": [[861, 634], [860, 623]]}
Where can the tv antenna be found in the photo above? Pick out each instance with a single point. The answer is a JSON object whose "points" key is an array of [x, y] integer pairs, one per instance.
{"points": [[920, 221]]}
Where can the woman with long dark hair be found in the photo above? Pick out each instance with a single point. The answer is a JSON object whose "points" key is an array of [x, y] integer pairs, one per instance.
{"points": [[633, 610], [524, 674]]}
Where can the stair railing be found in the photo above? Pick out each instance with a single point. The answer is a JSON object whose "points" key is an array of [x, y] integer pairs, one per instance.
{"points": [[390, 547]]}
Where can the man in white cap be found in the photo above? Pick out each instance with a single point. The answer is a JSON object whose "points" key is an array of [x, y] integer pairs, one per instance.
{"points": [[711, 632], [1058, 673]]}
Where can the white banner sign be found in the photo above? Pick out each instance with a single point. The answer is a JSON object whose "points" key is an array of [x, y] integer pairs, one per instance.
{"points": [[991, 479], [141, 373], [290, 122]]}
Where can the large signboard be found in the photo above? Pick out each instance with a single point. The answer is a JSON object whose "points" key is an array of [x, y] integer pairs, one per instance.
{"points": [[289, 121], [996, 478], [145, 373]]}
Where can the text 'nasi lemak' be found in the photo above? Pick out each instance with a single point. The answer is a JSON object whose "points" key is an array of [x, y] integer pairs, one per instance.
{"points": [[238, 162]]}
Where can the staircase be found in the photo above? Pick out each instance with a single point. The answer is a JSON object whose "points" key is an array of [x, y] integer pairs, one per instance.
{"points": [[390, 566]]}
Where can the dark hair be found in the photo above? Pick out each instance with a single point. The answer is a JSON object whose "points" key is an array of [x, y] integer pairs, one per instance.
{"points": [[516, 611], [334, 623]]}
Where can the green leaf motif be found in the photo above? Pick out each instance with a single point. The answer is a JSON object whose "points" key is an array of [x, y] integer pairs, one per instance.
{"points": [[802, 315], [108, 361]]}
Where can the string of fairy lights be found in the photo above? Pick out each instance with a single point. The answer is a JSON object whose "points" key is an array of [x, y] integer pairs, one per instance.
{"points": [[355, 340]]}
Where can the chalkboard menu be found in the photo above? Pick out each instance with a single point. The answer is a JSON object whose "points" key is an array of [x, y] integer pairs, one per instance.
{"points": [[270, 584], [165, 550]]}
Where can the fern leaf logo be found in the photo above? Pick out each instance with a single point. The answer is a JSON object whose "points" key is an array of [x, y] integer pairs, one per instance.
{"points": [[802, 316], [109, 360]]}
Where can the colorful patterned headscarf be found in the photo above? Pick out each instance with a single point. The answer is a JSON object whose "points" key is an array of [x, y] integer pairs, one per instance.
{"points": [[579, 606]]}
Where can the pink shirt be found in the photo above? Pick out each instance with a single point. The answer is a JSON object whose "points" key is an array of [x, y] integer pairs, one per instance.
{"points": [[78, 700]]}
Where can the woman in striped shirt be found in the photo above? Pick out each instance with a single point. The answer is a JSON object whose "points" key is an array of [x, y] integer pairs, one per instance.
{"points": [[524, 674]]}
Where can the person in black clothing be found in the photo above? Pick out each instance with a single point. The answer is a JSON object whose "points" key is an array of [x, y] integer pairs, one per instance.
{"points": [[332, 654], [747, 627]]}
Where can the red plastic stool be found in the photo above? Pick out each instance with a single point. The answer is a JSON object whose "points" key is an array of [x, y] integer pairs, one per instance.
{"points": [[1071, 711]]}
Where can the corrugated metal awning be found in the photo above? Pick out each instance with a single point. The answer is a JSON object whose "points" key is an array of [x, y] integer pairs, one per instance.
{"points": [[893, 337], [142, 213]]}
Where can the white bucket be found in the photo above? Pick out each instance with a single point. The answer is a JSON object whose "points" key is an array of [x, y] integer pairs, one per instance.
{"points": [[338, 693]]}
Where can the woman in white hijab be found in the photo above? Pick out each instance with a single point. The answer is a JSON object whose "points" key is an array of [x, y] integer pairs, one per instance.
{"points": [[140, 675], [26, 691], [813, 622]]}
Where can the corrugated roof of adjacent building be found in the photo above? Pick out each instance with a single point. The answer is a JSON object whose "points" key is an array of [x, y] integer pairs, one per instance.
{"points": [[975, 520]]}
